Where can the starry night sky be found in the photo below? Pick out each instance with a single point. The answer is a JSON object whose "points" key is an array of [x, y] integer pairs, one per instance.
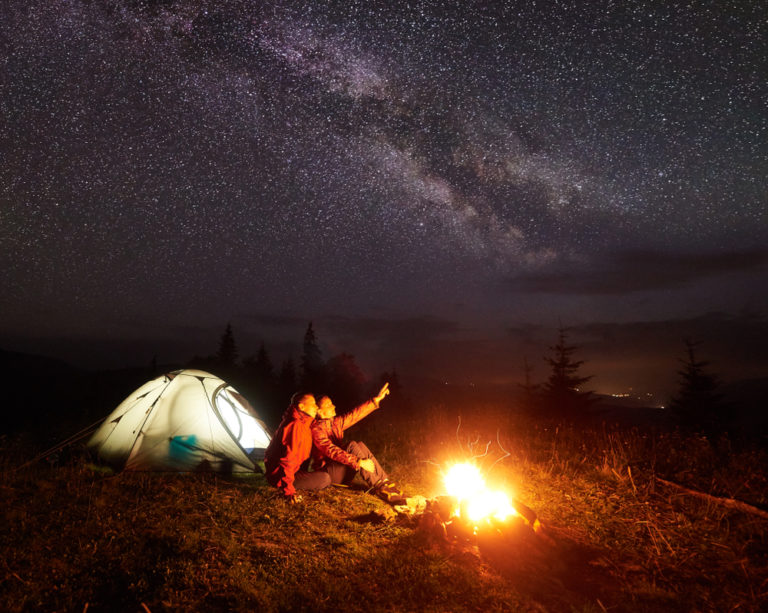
{"points": [[436, 185]]}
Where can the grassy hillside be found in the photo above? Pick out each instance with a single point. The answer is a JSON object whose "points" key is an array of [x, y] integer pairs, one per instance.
{"points": [[76, 538]]}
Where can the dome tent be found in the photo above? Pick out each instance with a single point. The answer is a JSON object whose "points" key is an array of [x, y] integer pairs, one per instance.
{"points": [[185, 420]]}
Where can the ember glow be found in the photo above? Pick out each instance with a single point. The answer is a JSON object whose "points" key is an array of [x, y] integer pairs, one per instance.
{"points": [[475, 501]]}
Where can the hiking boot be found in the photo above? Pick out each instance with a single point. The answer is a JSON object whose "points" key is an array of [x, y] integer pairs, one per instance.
{"points": [[389, 492]]}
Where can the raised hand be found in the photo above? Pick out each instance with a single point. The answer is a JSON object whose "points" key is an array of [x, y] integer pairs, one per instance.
{"points": [[382, 393]]}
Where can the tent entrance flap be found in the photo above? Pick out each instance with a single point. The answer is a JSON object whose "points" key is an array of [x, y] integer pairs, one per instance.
{"points": [[244, 427]]}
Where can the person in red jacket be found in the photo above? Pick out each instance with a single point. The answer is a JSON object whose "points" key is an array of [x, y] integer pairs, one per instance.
{"points": [[290, 447], [343, 460]]}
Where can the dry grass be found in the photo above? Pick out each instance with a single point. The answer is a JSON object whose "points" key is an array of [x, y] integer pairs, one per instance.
{"points": [[74, 537]]}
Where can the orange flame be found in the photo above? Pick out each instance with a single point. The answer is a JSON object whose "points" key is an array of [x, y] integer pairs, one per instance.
{"points": [[465, 483]]}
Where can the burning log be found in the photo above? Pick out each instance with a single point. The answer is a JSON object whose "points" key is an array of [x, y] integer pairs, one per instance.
{"points": [[528, 515], [470, 510], [445, 518]]}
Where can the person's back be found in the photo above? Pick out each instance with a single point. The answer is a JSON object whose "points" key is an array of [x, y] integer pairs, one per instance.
{"points": [[285, 442], [290, 447]]}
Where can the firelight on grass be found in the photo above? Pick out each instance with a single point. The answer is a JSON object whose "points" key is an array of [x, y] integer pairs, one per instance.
{"points": [[465, 483]]}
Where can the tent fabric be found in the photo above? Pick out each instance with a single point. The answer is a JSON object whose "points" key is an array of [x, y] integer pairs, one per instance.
{"points": [[186, 420]]}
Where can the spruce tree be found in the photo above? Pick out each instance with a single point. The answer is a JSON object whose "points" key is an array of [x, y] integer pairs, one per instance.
{"points": [[263, 364], [562, 392], [259, 368], [312, 366], [227, 354], [261, 383], [697, 404]]}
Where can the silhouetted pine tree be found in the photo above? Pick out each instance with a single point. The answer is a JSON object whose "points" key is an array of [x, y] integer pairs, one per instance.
{"points": [[261, 383], [697, 404], [312, 366], [561, 393], [262, 365], [227, 354]]}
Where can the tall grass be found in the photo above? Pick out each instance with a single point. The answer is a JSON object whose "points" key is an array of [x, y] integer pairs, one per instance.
{"points": [[73, 536]]}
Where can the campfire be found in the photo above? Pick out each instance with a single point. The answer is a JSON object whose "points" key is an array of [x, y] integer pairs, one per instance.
{"points": [[469, 509], [474, 501]]}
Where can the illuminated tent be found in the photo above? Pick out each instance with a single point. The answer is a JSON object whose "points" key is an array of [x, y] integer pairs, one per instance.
{"points": [[186, 420]]}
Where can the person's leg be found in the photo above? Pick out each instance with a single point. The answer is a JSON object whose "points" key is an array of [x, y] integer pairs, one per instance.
{"points": [[372, 479], [315, 480], [339, 473], [378, 479]]}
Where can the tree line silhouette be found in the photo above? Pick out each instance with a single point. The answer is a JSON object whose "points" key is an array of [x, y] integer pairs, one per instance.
{"points": [[697, 404], [269, 387]]}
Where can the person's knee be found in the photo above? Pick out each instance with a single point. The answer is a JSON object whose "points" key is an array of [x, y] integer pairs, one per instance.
{"points": [[359, 449]]}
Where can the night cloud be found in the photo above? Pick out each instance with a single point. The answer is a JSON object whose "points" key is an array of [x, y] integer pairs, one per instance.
{"points": [[639, 271]]}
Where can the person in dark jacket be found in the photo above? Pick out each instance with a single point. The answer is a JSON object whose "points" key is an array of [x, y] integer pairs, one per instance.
{"points": [[343, 460], [290, 447]]}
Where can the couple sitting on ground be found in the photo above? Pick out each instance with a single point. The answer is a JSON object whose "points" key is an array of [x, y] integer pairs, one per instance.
{"points": [[309, 429]]}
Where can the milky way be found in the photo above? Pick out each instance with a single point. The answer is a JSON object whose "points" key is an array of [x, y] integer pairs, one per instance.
{"points": [[195, 161]]}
